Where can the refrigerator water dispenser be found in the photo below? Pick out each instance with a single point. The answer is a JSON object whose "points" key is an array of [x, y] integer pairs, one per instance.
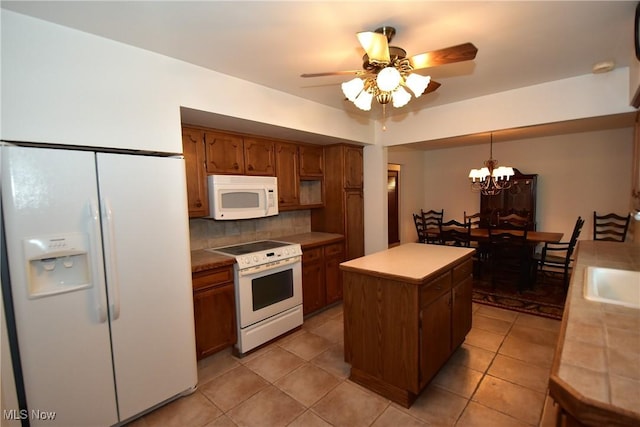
{"points": [[57, 264]]}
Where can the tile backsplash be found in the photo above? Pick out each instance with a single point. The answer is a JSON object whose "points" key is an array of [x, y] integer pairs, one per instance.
{"points": [[209, 233]]}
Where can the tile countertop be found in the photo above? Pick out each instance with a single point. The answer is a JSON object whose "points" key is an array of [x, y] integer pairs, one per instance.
{"points": [[202, 259], [596, 370], [411, 262]]}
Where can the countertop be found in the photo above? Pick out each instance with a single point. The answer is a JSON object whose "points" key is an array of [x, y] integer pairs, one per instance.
{"points": [[411, 262], [596, 371], [202, 259]]}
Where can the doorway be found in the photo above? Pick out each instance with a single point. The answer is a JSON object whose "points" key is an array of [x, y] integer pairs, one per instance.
{"points": [[393, 215]]}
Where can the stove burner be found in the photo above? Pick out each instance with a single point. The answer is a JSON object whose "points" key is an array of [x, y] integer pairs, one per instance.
{"points": [[247, 248]]}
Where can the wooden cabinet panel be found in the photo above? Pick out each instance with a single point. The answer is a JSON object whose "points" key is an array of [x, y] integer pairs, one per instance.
{"points": [[194, 158], [224, 153], [431, 291], [287, 173], [354, 218], [461, 311], [353, 160], [214, 310], [259, 157], [435, 334], [313, 286], [311, 161], [321, 277], [343, 210], [333, 256]]}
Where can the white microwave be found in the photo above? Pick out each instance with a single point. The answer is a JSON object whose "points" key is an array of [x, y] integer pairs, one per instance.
{"points": [[242, 196]]}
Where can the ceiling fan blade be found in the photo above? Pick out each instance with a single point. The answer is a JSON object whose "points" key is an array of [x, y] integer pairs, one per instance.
{"points": [[449, 55], [376, 46], [334, 73], [433, 86]]}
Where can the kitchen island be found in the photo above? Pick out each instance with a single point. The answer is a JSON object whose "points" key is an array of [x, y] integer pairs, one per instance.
{"points": [[406, 310], [595, 376]]}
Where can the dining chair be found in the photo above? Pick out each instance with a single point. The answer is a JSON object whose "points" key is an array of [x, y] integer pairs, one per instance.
{"points": [[510, 256], [556, 258], [610, 227], [478, 220], [417, 220], [455, 233], [512, 222], [432, 220]]}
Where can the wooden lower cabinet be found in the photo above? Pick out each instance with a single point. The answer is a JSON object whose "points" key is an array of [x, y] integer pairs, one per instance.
{"points": [[313, 288], [214, 310], [399, 334], [321, 278]]}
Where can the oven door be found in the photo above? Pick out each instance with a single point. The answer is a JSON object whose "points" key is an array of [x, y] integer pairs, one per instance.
{"points": [[267, 290]]}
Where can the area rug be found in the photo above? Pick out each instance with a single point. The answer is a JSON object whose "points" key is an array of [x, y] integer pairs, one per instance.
{"points": [[546, 299]]}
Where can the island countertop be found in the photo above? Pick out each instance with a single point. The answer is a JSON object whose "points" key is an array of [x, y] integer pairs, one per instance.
{"points": [[411, 262], [596, 372]]}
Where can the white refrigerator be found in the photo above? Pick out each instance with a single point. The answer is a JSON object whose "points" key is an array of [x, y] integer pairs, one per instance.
{"points": [[100, 277]]}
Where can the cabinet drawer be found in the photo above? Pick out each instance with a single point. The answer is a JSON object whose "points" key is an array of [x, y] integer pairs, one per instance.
{"points": [[311, 255], [212, 277], [435, 288], [333, 249], [462, 271]]}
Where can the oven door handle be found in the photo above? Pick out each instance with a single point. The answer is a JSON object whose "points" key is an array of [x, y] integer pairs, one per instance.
{"points": [[269, 266]]}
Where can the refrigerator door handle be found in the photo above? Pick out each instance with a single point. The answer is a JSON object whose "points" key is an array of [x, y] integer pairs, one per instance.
{"points": [[113, 284], [98, 276]]}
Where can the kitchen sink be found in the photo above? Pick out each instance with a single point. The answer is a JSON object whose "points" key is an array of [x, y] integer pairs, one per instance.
{"points": [[613, 286]]}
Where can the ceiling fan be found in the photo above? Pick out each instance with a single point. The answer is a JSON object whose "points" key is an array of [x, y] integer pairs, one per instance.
{"points": [[386, 70]]}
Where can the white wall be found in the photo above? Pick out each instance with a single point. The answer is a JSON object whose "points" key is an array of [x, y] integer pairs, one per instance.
{"points": [[577, 174], [64, 86], [375, 199], [411, 195], [589, 95]]}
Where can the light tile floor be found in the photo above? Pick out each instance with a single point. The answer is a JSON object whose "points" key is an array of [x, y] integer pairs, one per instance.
{"points": [[498, 377]]}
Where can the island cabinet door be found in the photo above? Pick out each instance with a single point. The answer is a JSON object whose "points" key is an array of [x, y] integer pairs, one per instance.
{"points": [[381, 327], [435, 327], [461, 311]]}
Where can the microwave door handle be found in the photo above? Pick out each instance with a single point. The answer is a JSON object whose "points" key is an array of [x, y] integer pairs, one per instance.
{"points": [[266, 201]]}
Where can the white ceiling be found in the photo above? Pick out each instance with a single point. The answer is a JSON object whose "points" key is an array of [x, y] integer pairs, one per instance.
{"points": [[272, 42]]}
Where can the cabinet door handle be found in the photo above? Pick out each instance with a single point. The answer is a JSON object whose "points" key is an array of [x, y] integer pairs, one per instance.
{"points": [[249, 168], [236, 166]]}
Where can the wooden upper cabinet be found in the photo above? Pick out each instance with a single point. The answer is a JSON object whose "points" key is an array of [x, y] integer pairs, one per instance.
{"points": [[259, 157], [287, 173], [224, 153], [311, 161], [353, 173], [196, 174]]}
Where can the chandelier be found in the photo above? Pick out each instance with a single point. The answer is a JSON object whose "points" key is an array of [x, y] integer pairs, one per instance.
{"points": [[491, 179], [388, 85]]}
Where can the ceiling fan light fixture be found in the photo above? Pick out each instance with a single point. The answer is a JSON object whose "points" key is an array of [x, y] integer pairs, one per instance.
{"points": [[352, 88], [401, 97], [417, 83], [376, 46], [363, 101], [388, 79]]}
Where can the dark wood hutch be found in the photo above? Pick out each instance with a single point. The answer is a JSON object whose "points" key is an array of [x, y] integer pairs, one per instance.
{"points": [[520, 199]]}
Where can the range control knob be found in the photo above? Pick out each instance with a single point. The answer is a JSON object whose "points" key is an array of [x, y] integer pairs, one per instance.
{"points": [[255, 258], [245, 260]]}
